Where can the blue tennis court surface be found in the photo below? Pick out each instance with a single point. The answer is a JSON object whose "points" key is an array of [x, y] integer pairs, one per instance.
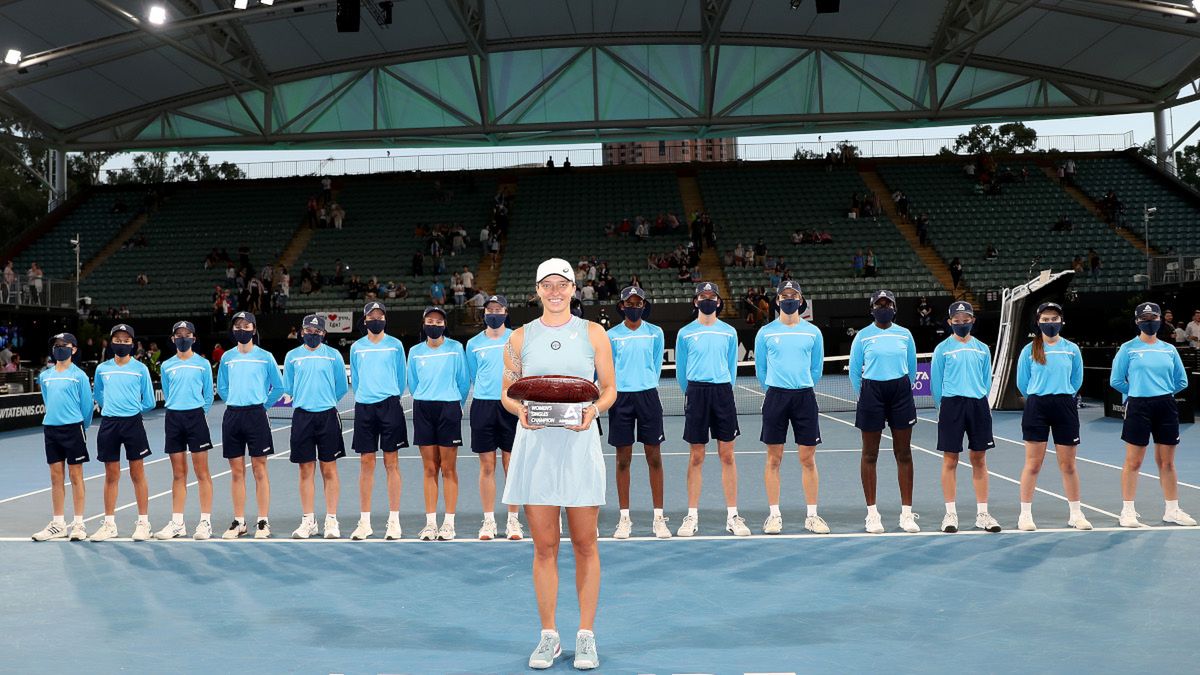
{"points": [[1049, 601]]}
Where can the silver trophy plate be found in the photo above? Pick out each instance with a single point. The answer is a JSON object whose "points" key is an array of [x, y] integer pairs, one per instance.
{"points": [[554, 414]]}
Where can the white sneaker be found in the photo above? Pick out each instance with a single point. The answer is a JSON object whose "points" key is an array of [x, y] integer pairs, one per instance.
{"points": [[235, 530], [689, 526], [332, 529], [308, 528], [985, 521], [203, 530], [624, 528], [548, 649], [106, 531], [737, 527], [1178, 517], [1080, 523], [487, 531], [393, 531], [77, 532], [874, 523], [1129, 519], [428, 533], [586, 657], [816, 525], [513, 530], [362, 531], [950, 522], [141, 531], [173, 530], [263, 529], [51, 531], [908, 522], [660, 527], [446, 532], [773, 525], [1025, 523]]}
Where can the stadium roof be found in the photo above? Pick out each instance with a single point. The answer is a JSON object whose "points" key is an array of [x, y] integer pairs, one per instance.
{"points": [[96, 74]]}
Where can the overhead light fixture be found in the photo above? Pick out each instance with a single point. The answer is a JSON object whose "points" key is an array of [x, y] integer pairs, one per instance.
{"points": [[12, 57], [796, 4], [268, 3], [241, 4], [158, 15]]}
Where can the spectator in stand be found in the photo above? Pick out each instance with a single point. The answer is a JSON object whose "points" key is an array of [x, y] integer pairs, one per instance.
{"points": [[418, 264], [10, 282], [437, 293], [589, 293], [826, 237], [460, 290], [14, 364], [230, 272], [858, 263], [991, 253], [797, 237], [1168, 332], [337, 215], [923, 228], [283, 290], [401, 290], [1077, 264], [760, 252], [696, 277], [1094, 263], [143, 280], [326, 190], [643, 229], [969, 170], [292, 334], [684, 275], [34, 279], [739, 255], [870, 263], [956, 272], [468, 278], [494, 247], [310, 212], [323, 216], [550, 162], [902, 207], [1192, 332], [925, 312], [485, 233]]}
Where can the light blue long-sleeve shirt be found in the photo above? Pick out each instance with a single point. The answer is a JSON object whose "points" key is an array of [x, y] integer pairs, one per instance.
{"points": [[637, 356], [68, 396], [377, 370], [882, 354], [485, 364], [789, 357], [960, 369], [187, 384], [438, 374], [1061, 374], [249, 379], [706, 353], [1142, 369], [314, 378], [123, 391]]}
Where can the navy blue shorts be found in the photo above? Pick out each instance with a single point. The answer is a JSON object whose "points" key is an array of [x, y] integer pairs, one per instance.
{"points": [[794, 407], [66, 443], [1057, 413], [709, 408], [492, 427], [961, 415], [118, 431], [187, 430], [316, 435], [379, 426], [246, 427], [437, 423], [885, 403], [642, 409], [1146, 415]]}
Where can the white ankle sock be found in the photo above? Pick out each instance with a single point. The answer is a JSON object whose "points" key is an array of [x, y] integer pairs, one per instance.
{"points": [[308, 518], [952, 507], [1027, 509], [658, 513], [489, 516], [731, 512], [393, 516], [77, 520], [905, 510], [872, 510], [1172, 505], [812, 510], [431, 519], [143, 519], [981, 507], [1127, 506], [585, 633], [240, 520], [449, 520], [1075, 509], [625, 513], [774, 509], [177, 518], [695, 513], [206, 517], [110, 520], [364, 517], [512, 515]]}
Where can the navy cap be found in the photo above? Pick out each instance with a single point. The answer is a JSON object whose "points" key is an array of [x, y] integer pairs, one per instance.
{"points": [[314, 321], [789, 285], [431, 310], [882, 294], [122, 327], [183, 324], [372, 306], [1147, 308], [65, 337], [1049, 305], [707, 287], [960, 306], [630, 291], [244, 316], [498, 299]]}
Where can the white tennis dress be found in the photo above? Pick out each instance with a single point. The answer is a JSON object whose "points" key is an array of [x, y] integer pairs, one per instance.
{"points": [[554, 466]]}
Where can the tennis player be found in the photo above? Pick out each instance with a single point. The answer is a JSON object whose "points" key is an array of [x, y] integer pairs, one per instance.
{"points": [[883, 369], [378, 375], [960, 377], [67, 395], [438, 379], [187, 383], [1149, 372], [637, 414], [560, 467], [1049, 374], [123, 391], [314, 375], [789, 356]]}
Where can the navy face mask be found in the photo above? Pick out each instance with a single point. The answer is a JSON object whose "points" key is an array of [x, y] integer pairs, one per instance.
{"points": [[375, 325], [884, 314], [789, 305], [122, 350], [1050, 329], [1149, 327], [708, 306], [312, 340], [633, 314], [494, 321], [962, 329], [61, 353], [183, 344], [243, 336], [433, 332]]}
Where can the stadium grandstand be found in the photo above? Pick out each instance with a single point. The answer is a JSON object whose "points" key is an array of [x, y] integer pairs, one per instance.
{"points": [[494, 115]]}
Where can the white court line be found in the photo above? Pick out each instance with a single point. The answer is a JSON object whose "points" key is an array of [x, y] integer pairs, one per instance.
{"points": [[715, 537], [962, 463]]}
